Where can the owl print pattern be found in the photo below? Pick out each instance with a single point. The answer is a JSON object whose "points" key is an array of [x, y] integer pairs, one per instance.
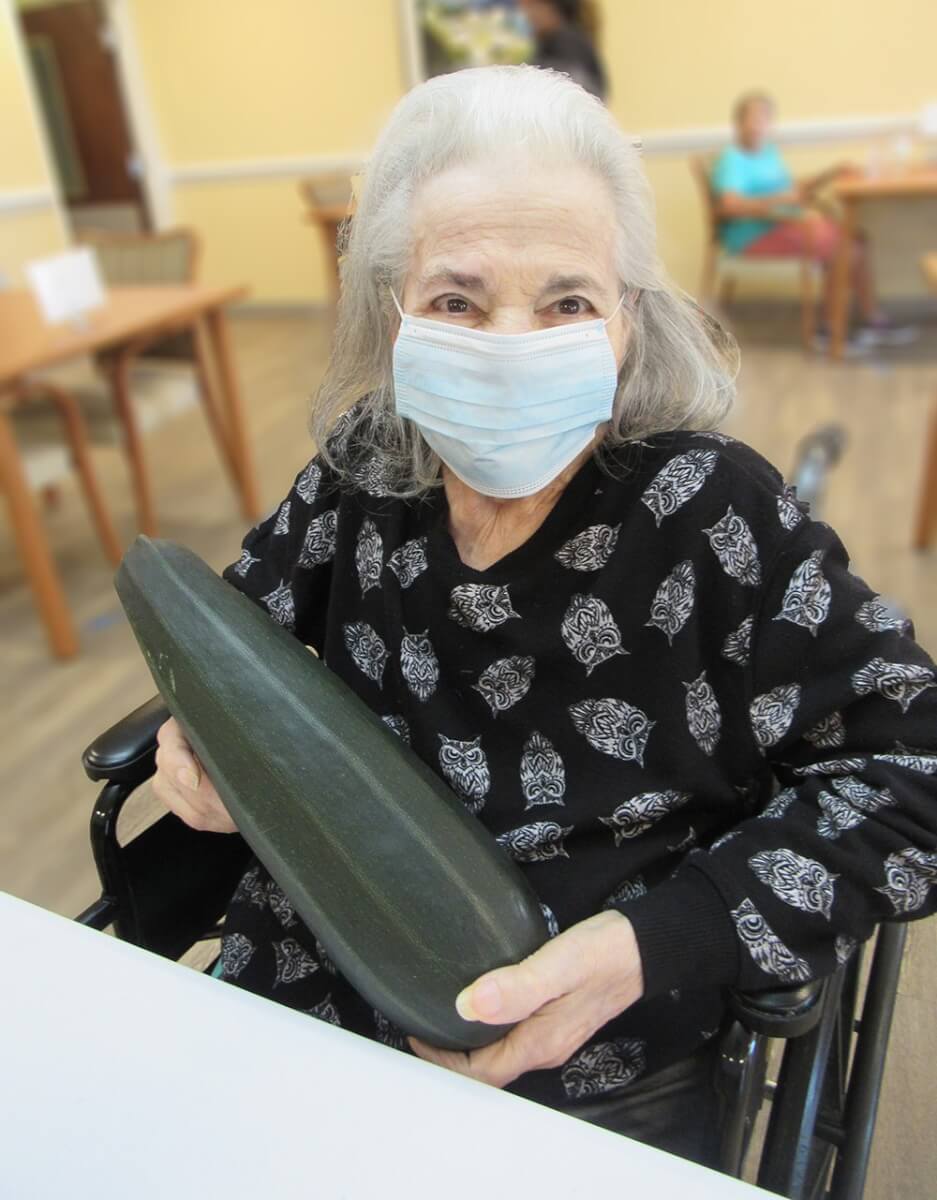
{"points": [[674, 700]]}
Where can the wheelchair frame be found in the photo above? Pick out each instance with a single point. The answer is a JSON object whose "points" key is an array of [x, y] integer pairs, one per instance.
{"points": [[168, 888]]}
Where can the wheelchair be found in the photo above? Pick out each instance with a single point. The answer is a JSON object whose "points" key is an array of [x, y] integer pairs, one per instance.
{"points": [[167, 889]]}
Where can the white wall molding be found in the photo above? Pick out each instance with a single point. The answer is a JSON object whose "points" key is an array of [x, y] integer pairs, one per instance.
{"points": [[16, 200], [822, 131], [660, 144], [238, 169]]}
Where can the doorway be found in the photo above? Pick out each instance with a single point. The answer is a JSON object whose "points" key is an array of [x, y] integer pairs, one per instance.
{"points": [[71, 52]]}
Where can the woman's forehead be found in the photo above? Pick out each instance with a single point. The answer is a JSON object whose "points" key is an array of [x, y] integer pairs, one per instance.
{"points": [[478, 225]]}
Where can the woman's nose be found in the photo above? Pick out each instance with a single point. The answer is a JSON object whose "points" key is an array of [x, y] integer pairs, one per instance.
{"points": [[512, 321]]}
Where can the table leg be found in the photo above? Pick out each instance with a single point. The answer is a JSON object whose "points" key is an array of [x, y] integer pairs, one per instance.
{"points": [[240, 446], [842, 272], [927, 508], [133, 442], [34, 548]]}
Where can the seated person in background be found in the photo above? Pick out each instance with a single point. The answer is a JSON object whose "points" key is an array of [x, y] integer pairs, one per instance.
{"points": [[765, 213]]}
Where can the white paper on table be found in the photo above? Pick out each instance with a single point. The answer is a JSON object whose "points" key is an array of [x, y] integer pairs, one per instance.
{"points": [[67, 286]]}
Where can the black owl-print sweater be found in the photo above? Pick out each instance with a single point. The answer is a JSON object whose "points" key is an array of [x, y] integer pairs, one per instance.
{"points": [[674, 700]]}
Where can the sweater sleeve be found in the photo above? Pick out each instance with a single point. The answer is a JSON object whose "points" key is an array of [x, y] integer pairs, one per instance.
{"points": [[286, 561], [843, 705]]}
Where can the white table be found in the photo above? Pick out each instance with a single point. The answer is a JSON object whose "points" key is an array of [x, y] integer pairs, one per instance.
{"points": [[125, 1075]]}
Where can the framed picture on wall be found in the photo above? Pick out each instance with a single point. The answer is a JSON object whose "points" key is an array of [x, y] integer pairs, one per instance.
{"points": [[445, 35]]}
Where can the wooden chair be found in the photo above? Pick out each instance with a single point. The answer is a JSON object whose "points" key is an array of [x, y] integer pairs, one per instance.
{"points": [[131, 391], [721, 269], [926, 524], [328, 201], [168, 257]]}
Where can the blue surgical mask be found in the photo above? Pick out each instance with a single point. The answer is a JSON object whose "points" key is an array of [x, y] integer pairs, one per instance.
{"points": [[505, 412]]}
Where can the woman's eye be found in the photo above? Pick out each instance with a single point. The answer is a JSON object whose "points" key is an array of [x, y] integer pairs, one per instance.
{"points": [[454, 306], [573, 306]]}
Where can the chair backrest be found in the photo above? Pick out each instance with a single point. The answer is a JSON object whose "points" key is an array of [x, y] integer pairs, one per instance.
{"points": [[701, 166], [168, 257], [330, 190]]}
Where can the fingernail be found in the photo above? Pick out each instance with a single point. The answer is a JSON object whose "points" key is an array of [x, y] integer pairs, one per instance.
{"points": [[187, 778], [480, 1002], [463, 1005]]}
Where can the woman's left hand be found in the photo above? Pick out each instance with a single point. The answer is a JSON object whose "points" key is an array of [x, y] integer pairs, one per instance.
{"points": [[559, 996]]}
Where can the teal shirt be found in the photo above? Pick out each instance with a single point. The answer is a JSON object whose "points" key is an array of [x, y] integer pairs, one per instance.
{"points": [[751, 174]]}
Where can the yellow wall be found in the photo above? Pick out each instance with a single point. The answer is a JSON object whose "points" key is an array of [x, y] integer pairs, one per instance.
{"points": [[23, 234], [26, 235], [318, 77], [248, 80], [231, 80], [676, 64]]}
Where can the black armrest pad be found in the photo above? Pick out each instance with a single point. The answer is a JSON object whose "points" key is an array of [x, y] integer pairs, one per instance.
{"points": [[780, 1012], [126, 753]]}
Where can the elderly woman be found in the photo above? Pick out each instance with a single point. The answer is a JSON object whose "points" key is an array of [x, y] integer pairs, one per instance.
{"points": [[610, 629]]}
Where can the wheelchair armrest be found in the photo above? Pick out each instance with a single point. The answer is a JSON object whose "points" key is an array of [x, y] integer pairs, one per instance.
{"points": [[781, 1012], [126, 753]]}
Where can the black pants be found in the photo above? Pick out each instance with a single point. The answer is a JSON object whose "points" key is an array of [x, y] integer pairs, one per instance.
{"points": [[676, 1109]]}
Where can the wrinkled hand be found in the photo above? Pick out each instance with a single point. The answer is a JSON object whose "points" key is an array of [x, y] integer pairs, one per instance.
{"points": [[559, 996], [182, 785]]}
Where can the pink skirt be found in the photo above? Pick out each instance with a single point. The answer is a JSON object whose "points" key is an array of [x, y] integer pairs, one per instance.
{"points": [[788, 239]]}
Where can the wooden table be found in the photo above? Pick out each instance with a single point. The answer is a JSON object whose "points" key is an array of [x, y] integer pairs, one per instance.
{"points": [[927, 506], [913, 184], [133, 319]]}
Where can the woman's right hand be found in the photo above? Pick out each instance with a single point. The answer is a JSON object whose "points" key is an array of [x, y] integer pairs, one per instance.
{"points": [[182, 785]]}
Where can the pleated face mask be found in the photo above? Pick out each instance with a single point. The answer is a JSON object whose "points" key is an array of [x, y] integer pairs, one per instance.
{"points": [[505, 412]]}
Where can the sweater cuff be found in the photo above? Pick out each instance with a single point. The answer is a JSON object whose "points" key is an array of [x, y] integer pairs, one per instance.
{"points": [[685, 934]]}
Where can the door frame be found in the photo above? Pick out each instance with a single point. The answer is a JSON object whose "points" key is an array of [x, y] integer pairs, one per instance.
{"points": [[154, 178]]}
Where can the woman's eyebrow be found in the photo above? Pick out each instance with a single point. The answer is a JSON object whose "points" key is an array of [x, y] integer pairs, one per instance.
{"points": [[471, 283], [570, 283]]}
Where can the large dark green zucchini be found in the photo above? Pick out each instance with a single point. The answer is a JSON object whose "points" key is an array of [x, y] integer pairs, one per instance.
{"points": [[410, 896]]}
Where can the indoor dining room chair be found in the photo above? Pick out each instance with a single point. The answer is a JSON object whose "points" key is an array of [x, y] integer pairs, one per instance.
{"points": [[127, 396], [722, 269]]}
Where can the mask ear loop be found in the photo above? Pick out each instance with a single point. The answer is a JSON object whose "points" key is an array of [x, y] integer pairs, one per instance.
{"points": [[621, 301], [397, 303]]}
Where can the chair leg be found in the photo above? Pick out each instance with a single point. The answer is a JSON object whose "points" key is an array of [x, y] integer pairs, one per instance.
{"points": [[133, 443], [709, 274], [208, 393], [240, 445], [727, 290], [34, 549], [808, 304], [77, 438], [927, 505]]}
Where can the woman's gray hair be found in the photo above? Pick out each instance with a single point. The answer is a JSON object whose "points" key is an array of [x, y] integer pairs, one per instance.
{"points": [[679, 368]]}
